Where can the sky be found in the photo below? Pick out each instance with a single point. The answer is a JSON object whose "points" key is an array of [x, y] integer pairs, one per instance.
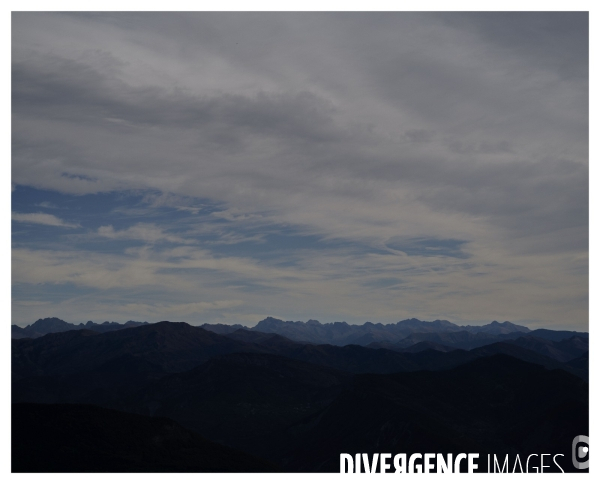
{"points": [[226, 167]]}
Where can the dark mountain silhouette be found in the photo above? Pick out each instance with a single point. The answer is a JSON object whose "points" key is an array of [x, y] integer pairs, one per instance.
{"points": [[270, 340], [50, 325], [275, 398], [464, 340], [243, 400], [47, 369], [342, 333], [169, 346], [430, 359], [222, 328], [106, 385], [427, 345], [106, 369], [84, 438], [556, 335], [349, 358], [55, 325], [447, 358], [417, 347], [564, 350], [16, 332], [549, 342], [581, 363], [87, 367], [496, 404], [525, 354], [497, 328]]}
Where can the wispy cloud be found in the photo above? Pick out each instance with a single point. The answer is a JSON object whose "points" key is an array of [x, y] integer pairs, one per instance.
{"points": [[42, 219], [360, 165], [145, 232]]}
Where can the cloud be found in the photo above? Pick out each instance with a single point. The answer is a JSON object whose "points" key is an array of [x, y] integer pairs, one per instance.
{"points": [[267, 143], [429, 247], [185, 309], [419, 130], [47, 205], [42, 219], [145, 232]]}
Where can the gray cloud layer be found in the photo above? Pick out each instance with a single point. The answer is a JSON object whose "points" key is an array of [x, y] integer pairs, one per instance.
{"points": [[370, 128]]}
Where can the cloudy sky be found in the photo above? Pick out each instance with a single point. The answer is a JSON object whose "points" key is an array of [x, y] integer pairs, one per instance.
{"points": [[224, 167]]}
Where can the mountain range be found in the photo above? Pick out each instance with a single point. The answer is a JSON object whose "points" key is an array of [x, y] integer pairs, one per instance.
{"points": [[286, 404], [342, 333], [55, 325], [403, 333]]}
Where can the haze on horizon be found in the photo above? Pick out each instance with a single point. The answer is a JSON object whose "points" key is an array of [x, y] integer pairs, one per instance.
{"points": [[225, 167]]}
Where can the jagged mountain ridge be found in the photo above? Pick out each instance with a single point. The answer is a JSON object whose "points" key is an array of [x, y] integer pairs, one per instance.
{"points": [[396, 336], [55, 325], [312, 331], [342, 333]]}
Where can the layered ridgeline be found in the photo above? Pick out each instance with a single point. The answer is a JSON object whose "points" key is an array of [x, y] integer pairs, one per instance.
{"points": [[294, 404], [415, 335], [342, 333], [312, 331], [407, 335], [56, 325]]}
